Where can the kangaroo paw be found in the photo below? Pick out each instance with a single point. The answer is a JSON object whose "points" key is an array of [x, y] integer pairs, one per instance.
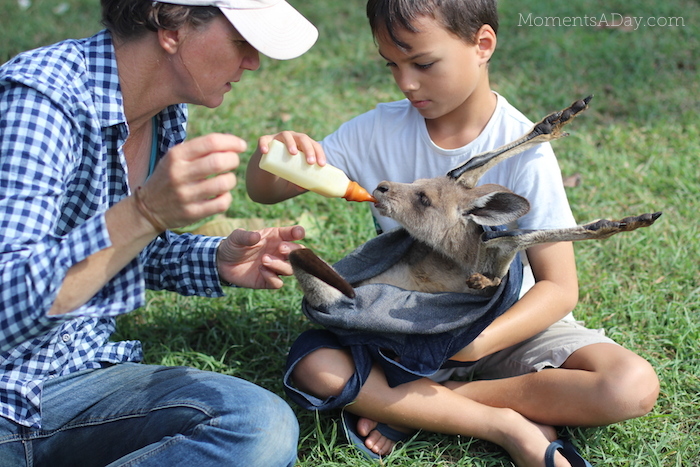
{"points": [[478, 281]]}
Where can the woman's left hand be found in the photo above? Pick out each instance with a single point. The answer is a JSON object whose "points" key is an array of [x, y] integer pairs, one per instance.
{"points": [[256, 259]]}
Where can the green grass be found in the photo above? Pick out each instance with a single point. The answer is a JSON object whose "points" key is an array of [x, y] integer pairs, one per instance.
{"points": [[636, 150]]}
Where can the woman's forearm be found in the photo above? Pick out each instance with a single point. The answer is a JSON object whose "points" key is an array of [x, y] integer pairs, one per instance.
{"points": [[129, 234]]}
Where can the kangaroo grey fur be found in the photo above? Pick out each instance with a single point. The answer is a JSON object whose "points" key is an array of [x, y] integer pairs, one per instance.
{"points": [[452, 251]]}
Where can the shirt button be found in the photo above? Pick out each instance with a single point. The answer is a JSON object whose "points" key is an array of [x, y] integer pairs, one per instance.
{"points": [[208, 291], [65, 338]]}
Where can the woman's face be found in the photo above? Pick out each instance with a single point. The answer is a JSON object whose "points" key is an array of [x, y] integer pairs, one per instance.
{"points": [[210, 58]]}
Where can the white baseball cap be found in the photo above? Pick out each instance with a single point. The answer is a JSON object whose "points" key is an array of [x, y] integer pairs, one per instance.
{"points": [[273, 27]]}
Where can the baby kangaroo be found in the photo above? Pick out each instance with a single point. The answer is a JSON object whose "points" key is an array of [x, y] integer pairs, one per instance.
{"points": [[446, 216]]}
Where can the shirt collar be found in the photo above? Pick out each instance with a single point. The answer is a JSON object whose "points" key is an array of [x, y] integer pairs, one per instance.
{"points": [[102, 71]]}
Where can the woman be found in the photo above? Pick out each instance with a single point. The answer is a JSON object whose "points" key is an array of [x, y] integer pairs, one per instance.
{"points": [[85, 212]]}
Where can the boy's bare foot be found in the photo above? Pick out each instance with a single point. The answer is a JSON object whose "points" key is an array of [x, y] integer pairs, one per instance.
{"points": [[375, 441]]}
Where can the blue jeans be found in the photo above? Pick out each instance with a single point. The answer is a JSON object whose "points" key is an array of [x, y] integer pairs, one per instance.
{"points": [[142, 415]]}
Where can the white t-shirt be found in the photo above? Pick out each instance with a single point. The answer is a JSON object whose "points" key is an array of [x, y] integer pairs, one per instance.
{"points": [[392, 143]]}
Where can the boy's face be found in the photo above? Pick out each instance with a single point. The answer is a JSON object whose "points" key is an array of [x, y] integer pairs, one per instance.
{"points": [[439, 72]]}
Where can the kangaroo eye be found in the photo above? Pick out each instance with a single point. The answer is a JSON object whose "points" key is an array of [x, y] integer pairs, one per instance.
{"points": [[424, 199]]}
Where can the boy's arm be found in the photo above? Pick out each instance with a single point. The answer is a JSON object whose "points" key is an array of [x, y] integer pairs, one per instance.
{"points": [[266, 188], [553, 296]]}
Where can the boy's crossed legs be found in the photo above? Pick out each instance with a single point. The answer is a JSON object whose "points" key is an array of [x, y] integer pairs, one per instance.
{"points": [[597, 384]]}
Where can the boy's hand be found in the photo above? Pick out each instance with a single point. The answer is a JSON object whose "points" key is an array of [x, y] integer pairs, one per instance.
{"points": [[296, 142], [264, 187]]}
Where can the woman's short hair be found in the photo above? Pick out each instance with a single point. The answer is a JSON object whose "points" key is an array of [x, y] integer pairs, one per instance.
{"points": [[129, 19]]}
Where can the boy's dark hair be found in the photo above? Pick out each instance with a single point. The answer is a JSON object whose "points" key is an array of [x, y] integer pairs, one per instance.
{"points": [[129, 19], [461, 17]]}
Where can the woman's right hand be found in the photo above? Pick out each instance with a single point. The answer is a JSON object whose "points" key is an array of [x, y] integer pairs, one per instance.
{"points": [[192, 181]]}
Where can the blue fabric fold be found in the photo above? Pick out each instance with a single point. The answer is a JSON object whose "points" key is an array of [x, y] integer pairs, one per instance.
{"points": [[410, 334]]}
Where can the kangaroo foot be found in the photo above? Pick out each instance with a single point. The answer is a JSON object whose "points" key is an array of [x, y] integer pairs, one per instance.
{"points": [[605, 228], [550, 127]]}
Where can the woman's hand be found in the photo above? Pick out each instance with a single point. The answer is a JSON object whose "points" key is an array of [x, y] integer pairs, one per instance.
{"points": [[191, 182], [256, 259]]}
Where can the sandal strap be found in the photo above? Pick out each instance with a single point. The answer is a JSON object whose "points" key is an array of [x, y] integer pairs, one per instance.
{"points": [[391, 433]]}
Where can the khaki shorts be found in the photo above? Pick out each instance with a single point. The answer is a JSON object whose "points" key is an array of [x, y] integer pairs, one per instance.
{"points": [[548, 349]]}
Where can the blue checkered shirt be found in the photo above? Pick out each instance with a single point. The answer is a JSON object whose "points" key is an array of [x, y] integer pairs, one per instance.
{"points": [[62, 127]]}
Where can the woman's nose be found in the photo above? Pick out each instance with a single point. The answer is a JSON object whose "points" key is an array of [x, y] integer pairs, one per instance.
{"points": [[252, 59]]}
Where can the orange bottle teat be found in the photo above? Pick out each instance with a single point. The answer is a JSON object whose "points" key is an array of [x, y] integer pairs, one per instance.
{"points": [[356, 193]]}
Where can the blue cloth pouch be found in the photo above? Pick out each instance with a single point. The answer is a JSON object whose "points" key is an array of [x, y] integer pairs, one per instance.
{"points": [[410, 334]]}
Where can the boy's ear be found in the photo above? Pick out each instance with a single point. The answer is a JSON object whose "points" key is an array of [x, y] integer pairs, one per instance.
{"points": [[486, 42]]}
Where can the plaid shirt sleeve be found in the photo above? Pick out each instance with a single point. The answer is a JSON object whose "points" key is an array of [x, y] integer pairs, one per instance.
{"points": [[185, 264], [36, 150]]}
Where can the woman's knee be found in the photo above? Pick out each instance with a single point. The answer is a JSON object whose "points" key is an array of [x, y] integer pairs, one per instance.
{"points": [[324, 372], [265, 421], [278, 428]]}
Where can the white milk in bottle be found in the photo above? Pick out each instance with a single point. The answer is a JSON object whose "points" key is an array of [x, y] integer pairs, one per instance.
{"points": [[328, 181]]}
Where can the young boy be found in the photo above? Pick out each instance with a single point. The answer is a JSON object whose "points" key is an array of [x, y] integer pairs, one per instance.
{"points": [[438, 53]]}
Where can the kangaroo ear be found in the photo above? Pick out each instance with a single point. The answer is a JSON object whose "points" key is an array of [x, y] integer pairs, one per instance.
{"points": [[498, 208]]}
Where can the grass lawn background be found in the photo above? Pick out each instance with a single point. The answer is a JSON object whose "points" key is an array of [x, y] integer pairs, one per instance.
{"points": [[636, 150]]}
